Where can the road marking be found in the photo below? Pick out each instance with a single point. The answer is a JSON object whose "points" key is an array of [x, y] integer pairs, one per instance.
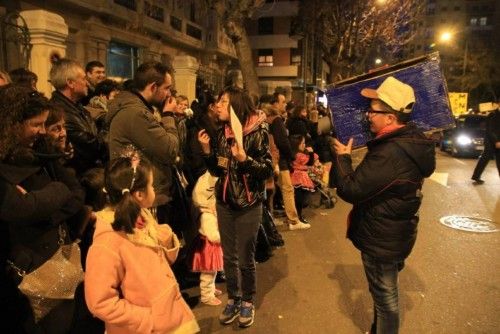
{"points": [[441, 178], [460, 161]]}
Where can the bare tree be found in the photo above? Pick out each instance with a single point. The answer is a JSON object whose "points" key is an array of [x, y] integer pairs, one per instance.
{"points": [[233, 14], [352, 32], [475, 69]]}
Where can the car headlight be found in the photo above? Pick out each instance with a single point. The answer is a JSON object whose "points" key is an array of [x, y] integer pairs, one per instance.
{"points": [[464, 140]]}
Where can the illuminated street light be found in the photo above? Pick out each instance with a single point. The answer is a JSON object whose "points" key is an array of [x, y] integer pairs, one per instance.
{"points": [[378, 61], [381, 2], [445, 36]]}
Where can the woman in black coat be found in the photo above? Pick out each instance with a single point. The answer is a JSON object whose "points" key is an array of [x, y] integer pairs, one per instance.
{"points": [[242, 169], [298, 124], [40, 199]]}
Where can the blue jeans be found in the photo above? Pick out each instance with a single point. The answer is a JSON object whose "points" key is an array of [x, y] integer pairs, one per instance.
{"points": [[383, 282]]}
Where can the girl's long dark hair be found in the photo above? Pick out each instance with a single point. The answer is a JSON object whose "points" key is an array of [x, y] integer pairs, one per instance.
{"points": [[121, 181], [295, 141], [241, 102]]}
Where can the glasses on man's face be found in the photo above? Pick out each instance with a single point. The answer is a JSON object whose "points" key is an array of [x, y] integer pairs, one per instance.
{"points": [[372, 111]]}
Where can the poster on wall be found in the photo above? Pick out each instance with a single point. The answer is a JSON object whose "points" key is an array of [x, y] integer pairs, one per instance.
{"points": [[431, 112]]}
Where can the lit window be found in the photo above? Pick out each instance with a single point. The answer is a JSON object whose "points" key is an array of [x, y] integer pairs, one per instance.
{"points": [[473, 21], [265, 57], [483, 21], [295, 56]]}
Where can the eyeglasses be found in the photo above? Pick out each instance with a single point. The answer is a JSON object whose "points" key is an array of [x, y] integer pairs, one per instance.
{"points": [[371, 111]]}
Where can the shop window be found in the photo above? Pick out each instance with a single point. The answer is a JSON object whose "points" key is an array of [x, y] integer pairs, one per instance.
{"points": [[122, 60]]}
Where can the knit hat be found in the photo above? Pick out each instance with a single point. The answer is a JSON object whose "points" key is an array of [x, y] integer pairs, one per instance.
{"points": [[399, 96]]}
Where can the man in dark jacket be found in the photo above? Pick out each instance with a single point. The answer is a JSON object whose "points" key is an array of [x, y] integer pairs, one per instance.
{"points": [[68, 78], [132, 123], [386, 192], [491, 144], [278, 130]]}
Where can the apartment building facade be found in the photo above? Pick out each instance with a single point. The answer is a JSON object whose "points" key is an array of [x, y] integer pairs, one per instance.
{"points": [[121, 34], [461, 30]]}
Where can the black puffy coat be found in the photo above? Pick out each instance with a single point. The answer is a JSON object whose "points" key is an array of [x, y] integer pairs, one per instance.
{"points": [[304, 127], [242, 184], [90, 149], [386, 192], [54, 197]]}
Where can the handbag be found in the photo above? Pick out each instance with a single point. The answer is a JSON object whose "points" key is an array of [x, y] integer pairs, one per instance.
{"points": [[54, 281]]}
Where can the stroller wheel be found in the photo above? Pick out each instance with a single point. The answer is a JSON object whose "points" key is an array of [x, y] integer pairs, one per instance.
{"points": [[329, 204]]}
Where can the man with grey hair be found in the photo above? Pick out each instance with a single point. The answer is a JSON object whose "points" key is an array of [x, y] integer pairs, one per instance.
{"points": [[69, 80]]}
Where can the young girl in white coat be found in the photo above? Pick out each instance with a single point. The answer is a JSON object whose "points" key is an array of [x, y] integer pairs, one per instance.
{"points": [[207, 251]]}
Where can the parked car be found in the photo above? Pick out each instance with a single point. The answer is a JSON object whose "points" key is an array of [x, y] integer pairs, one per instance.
{"points": [[467, 138]]}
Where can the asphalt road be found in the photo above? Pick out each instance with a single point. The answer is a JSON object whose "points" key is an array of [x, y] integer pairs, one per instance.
{"points": [[451, 282]]}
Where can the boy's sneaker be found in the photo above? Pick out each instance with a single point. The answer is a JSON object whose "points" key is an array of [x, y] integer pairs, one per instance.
{"points": [[247, 314], [298, 226], [230, 313]]}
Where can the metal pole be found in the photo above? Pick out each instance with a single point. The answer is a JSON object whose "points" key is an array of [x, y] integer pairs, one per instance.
{"points": [[466, 50], [304, 66]]}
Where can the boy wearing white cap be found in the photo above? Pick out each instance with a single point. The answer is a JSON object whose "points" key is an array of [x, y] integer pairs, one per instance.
{"points": [[385, 190]]}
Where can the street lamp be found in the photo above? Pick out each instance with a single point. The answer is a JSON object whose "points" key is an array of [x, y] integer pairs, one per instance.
{"points": [[446, 37], [378, 61]]}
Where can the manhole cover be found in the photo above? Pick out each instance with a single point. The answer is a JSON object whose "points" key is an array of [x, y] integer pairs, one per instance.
{"points": [[469, 224]]}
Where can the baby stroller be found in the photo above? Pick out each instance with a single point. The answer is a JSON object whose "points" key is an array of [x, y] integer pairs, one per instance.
{"points": [[327, 199]]}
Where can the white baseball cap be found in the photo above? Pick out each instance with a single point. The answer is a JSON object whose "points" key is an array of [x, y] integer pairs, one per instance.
{"points": [[399, 96]]}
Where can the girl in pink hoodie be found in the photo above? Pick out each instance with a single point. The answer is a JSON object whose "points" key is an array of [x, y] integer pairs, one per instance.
{"points": [[129, 283]]}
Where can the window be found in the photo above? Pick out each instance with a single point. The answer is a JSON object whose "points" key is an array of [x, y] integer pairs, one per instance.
{"points": [[265, 25], [122, 60], [265, 57], [431, 9], [483, 21], [192, 12], [473, 21], [153, 11], [130, 4], [295, 56], [193, 31], [176, 23]]}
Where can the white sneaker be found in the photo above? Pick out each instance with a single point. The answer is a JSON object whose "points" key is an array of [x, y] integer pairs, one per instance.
{"points": [[298, 226]]}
